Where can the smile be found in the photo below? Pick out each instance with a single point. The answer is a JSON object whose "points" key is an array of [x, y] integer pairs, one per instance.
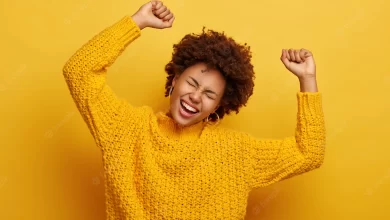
{"points": [[186, 110]]}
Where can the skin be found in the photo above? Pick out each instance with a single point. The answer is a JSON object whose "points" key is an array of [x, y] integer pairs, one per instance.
{"points": [[301, 64], [199, 87], [155, 14]]}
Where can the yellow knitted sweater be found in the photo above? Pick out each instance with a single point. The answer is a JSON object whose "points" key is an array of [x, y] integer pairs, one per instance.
{"points": [[156, 170]]}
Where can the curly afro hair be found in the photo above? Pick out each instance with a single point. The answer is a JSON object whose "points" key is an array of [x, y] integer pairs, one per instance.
{"points": [[219, 52]]}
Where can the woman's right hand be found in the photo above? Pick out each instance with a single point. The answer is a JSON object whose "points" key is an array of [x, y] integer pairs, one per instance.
{"points": [[153, 14]]}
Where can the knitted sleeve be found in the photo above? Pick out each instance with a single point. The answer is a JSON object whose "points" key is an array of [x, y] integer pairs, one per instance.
{"points": [[85, 75], [275, 160]]}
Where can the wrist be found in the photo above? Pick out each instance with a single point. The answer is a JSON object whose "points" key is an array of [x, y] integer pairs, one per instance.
{"points": [[308, 84], [138, 21], [307, 77]]}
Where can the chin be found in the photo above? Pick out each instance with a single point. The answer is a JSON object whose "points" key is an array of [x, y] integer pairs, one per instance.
{"points": [[182, 120]]}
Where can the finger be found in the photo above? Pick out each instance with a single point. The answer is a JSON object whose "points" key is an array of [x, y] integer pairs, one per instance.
{"points": [[168, 17], [160, 10], [165, 13], [170, 22], [307, 53], [157, 5], [284, 58], [291, 52], [287, 55], [302, 54], [154, 3], [297, 56]]}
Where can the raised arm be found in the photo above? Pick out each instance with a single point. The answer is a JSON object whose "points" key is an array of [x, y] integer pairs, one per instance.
{"points": [[85, 75], [85, 71], [273, 160]]}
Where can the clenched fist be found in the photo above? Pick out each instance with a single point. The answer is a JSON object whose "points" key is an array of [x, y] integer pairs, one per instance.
{"points": [[153, 14], [299, 62]]}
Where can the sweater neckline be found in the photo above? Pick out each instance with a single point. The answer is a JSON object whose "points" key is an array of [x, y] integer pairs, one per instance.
{"points": [[169, 130]]}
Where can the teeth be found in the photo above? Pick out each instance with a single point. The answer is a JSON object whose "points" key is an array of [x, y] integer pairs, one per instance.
{"points": [[189, 108]]}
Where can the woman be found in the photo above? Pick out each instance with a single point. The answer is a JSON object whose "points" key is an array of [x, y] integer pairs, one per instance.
{"points": [[181, 164]]}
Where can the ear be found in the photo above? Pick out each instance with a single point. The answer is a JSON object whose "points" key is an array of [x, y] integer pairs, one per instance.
{"points": [[216, 108], [174, 80]]}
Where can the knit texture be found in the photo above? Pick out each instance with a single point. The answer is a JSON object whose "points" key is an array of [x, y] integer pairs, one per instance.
{"points": [[157, 170]]}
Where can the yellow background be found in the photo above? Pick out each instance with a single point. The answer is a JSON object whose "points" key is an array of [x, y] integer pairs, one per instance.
{"points": [[50, 167]]}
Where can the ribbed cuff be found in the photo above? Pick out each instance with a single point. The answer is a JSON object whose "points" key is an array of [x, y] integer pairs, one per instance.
{"points": [[310, 104], [125, 31]]}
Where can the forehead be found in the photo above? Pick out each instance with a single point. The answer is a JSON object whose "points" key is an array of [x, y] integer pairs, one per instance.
{"points": [[205, 77]]}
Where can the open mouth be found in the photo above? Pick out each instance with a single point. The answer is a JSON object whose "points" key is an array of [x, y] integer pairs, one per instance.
{"points": [[186, 110]]}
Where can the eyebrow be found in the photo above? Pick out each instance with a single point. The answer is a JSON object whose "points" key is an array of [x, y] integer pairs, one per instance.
{"points": [[207, 90]]}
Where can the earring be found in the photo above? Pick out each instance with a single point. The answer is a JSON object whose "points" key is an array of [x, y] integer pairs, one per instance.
{"points": [[207, 119], [170, 90]]}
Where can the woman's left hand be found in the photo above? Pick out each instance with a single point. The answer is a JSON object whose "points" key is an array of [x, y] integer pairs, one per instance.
{"points": [[299, 62]]}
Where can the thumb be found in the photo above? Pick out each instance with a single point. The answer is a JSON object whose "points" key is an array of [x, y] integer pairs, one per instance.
{"points": [[168, 24], [148, 7], [153, 4]]}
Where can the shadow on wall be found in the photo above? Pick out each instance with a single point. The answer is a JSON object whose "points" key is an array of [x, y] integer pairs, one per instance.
{"points": [[79, 176], [260, 200]]}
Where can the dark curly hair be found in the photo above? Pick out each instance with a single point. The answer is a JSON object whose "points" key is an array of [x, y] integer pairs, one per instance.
{"points": [[219, 52]]}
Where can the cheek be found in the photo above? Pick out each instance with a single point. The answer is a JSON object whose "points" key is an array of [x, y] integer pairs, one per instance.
{"points": [[183, 88], [209, 105]]}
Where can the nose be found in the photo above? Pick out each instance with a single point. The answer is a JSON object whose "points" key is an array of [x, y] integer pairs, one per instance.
{"points": [[195, 96]]}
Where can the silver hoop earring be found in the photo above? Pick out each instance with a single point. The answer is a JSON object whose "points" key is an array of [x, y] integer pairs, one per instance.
{"points": [[207, 119], [170, 90]]}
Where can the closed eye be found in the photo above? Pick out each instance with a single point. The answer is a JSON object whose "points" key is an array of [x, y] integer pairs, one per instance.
{"points": [[191, 84], [210, 97], [207, 92]]}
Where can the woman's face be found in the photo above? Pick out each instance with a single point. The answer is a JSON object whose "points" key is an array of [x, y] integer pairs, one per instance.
{"points": [[196, 94]]}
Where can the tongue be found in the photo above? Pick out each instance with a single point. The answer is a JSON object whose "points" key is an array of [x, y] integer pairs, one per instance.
{"points": [[190, 112], [186, 110]]}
